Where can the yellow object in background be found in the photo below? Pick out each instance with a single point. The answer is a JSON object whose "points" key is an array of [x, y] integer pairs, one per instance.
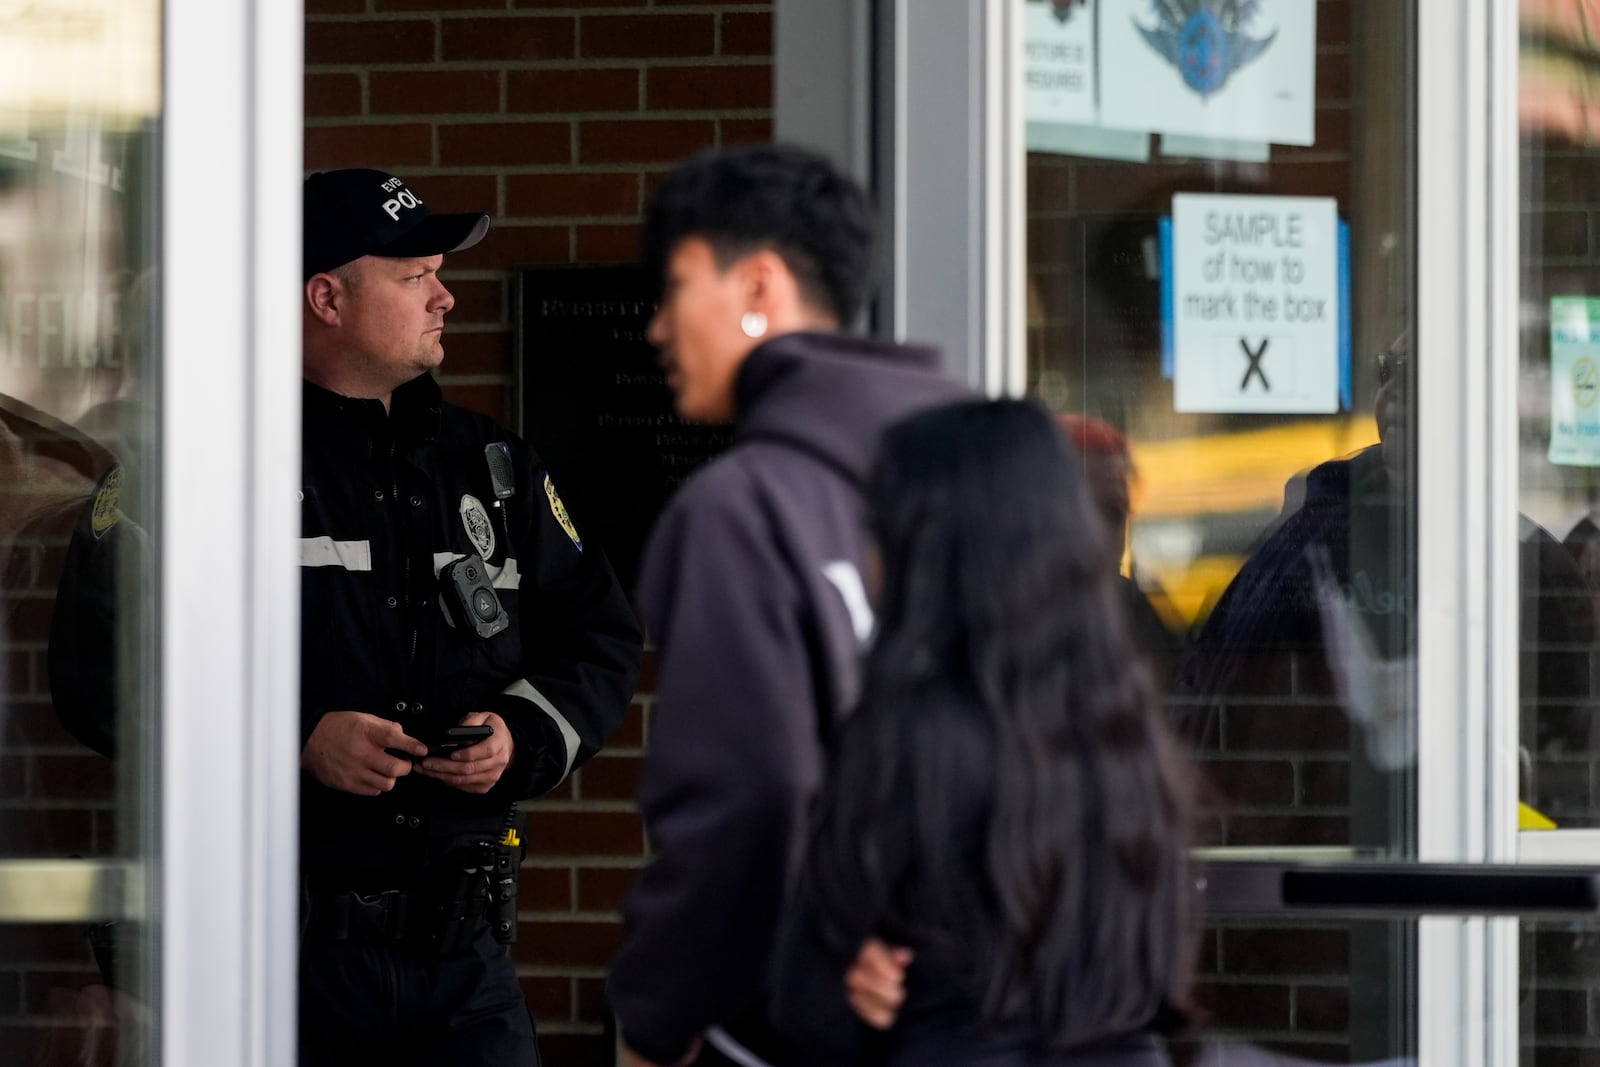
{"points": [[1532, 819]]}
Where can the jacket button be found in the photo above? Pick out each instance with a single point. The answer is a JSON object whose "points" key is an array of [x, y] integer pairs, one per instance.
{"points": [[400, 705], [377, 494], [417, 708], [416, 501], [399, 819], [393, 603], [415, 822]]}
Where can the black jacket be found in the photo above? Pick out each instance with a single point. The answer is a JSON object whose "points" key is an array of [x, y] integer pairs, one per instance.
{"points": [[389, 498], [941, 906], [752, 588]]}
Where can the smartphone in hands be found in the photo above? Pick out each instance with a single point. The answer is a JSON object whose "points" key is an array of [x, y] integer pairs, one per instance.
{"points": [[458, 737], [447, 741]]}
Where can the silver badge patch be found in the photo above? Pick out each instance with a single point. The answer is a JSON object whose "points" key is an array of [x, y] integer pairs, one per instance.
{"points": [[479, 530]]}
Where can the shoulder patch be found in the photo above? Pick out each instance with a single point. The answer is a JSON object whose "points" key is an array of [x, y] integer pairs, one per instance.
{"points": [[475, 519], [559, 510], [105, 513]]}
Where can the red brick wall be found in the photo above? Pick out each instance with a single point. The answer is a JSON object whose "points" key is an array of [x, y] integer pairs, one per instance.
{"points": [[553, 115], [550, 114]]}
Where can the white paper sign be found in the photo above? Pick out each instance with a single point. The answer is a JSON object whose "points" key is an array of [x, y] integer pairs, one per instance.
{"points": [[1236, 70], [1255, 304], [1575, 381], [1058, 58]]}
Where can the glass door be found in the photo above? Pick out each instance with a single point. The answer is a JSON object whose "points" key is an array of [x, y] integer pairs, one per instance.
{"points": [[1305, 280], [80, 111], [1268, 261], [1558, 101], [1221, 243], [148, 395]]}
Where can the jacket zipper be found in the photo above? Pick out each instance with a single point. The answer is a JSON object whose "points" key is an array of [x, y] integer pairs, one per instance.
{"points": [[405, 553]]}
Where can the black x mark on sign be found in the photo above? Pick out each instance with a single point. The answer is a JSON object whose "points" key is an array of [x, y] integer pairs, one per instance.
{"points": [[1254, 370]]}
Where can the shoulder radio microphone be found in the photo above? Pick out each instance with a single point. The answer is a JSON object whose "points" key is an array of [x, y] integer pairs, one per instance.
{"points": [[501, 473]]}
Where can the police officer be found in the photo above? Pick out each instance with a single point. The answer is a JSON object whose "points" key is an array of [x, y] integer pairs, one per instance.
{"points": [[444, 587]]}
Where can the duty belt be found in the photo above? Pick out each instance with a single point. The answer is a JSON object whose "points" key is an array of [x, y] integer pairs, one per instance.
{"points": [[474, 889], [363, 918]]}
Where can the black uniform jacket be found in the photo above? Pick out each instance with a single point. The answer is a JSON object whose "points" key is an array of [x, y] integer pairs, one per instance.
{"points": [[388, 498], [752, 588]]}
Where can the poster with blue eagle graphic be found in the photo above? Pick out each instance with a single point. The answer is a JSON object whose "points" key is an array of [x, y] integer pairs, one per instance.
{"points": [[1238, 70]]}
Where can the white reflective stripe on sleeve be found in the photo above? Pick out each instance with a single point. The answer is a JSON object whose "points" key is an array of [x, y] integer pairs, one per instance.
{"points": [[845, 578], [504, 576], [725, 1044], [326, 552], [569, 736]]}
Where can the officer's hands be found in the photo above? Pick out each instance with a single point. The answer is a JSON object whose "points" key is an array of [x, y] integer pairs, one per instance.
{"points": [[346, 752], [476, 768], [876, 983]]}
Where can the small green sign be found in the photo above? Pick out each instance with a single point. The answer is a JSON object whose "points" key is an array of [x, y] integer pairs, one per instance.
{"points": [[1575, 381]]}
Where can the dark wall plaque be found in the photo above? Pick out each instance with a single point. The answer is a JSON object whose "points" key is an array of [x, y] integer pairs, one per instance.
{"points": [[595, 404]]}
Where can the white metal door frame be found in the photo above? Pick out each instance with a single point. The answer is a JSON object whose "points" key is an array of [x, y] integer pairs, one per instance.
{"points": [[1467, 558], [919, 98], [227, 578]]}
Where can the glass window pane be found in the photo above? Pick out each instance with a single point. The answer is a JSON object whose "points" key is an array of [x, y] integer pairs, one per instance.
{"points": [[1314, 992], [1557, 460], [1557, 993], [1220, 255], [79, 105], [1560, 422], [1220, 259]]}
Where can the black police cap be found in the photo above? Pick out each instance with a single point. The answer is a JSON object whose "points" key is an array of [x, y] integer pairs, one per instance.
{"points": [[359, 212]]}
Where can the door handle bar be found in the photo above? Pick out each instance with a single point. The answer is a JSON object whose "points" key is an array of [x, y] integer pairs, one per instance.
{"points": [[1372, 890]]}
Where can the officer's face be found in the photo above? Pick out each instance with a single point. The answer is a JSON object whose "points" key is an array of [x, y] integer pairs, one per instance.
{"points": [[697, 330], [392, 318]]}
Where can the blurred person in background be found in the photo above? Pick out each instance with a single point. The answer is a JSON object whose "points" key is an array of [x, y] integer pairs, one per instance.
{"points": [[1109, 474], [1328, 598], [1005, 804]]}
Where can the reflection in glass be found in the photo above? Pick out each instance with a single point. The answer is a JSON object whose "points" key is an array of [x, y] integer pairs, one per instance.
{"points": [[1272, 522], [1275, 536], [1559, 454], [79, 98], [1560, 423], [1556, 994], [1282, 996]]}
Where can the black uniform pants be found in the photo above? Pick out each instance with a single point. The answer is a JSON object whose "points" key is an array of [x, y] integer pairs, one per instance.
{"points": [[398, 1006]]}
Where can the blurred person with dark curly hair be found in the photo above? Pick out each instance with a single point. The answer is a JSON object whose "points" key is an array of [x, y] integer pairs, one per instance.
{"points": [[752, 584]]}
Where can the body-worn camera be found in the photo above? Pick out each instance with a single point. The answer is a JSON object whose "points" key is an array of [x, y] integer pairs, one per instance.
{"points": [[470, 598]]}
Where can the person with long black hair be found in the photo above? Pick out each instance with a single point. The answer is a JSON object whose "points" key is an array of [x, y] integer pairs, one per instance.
{"points": [[1005, 801]]}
